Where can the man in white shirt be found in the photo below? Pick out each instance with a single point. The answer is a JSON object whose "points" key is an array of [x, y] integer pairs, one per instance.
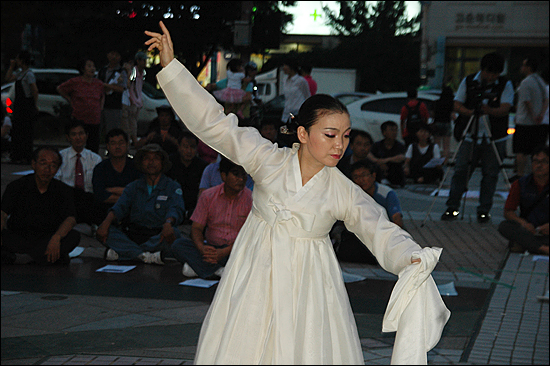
{"points": [[88, 209], [532, 104], [491, 106]]}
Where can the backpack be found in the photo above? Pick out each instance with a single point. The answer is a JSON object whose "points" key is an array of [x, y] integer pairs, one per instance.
{"points": [[414, 114], [414, 119]]}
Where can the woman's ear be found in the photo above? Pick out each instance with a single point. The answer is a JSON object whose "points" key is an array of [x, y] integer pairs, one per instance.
{"points": [[302, 134]]}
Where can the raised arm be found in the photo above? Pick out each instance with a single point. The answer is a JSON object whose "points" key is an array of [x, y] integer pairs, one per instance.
{"points": [[204, 116]]}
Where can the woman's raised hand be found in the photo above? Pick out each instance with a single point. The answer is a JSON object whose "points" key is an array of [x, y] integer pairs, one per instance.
{"points": [[163, 43]]}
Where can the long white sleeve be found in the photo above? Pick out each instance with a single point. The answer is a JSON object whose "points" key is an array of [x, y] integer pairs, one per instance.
{"points": [[416, 311]]}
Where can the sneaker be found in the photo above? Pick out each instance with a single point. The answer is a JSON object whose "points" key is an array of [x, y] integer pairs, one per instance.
{"points": [[450, 215], [93, 230], [188, 271], [219, 271], [151, 258], [157, 258], [111, 255], [482, 218]]}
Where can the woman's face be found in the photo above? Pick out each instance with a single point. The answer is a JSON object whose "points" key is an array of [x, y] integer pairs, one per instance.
{"points": [[327, 139], [89, 69], [286, 69]]}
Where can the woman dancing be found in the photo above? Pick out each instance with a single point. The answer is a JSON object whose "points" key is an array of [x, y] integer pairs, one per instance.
{"points": [[282, 299]]}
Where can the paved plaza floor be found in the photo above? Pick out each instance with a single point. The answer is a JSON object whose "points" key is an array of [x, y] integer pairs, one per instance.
{"points": [[74, 315]]}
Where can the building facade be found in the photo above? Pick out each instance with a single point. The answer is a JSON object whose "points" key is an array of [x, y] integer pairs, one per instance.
{"points": [[456, 34]]}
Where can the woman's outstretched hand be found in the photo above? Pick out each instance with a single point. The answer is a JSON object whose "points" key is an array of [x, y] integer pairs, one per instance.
{"points": [[163, 43]]}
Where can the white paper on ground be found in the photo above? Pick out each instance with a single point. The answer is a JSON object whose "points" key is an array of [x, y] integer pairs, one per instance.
{"points": [[199, 282], [447, 289], [24, 172], [110, 268], [7, 293], [540, 258], [349, 277], [76, 252], [434, 162]]}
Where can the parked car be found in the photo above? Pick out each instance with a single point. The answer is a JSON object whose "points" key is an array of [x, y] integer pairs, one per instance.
{"points": [[368, 114], [274, 108], [351, 97], [50, 102], [47, 81]]}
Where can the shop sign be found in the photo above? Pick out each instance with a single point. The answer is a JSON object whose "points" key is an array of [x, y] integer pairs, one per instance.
{"points": [[479, 20]]}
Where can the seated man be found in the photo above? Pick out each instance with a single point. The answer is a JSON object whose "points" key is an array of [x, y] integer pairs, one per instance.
{"points": [[529, 230], [41, 214], [187, 170], [217, 219], [348, 247], [269, 129], [389, 154], [113, 174], [148, 210], [77, 171], [211, 177], [163, 130], [360, 145]]}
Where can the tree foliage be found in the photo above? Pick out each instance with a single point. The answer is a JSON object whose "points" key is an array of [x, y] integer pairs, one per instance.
{"points": [[383, 19], [377, 40], [268, 24], [92, 28]]}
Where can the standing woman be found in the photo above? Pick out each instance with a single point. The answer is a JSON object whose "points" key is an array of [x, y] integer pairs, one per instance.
{"points": [[24, 108], [295, 89], [282, 299], [86, 95]]}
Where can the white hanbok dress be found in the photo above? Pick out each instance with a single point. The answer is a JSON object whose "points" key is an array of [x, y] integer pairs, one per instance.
{"points": [[282, 298]]}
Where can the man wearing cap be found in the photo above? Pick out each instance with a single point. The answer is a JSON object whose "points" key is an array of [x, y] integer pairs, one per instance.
{"points": [[163, 130], [146, 214], [132, 105]]}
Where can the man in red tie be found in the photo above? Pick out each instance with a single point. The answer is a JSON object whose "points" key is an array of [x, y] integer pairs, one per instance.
{"points": [[77, 171]]}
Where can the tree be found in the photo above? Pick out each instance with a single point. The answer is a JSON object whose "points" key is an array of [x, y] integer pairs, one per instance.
{"points": [[379, 41], [268, 24], [93, 28], [385, 18]]}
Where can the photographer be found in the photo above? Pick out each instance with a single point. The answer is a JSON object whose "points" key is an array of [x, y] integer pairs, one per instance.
{"points": [[481, 95]]}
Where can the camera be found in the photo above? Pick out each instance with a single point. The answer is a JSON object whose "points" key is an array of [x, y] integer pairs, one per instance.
{"points": [[481, 92]]}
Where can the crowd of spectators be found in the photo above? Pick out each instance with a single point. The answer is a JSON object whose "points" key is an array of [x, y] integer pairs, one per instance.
{"points": [[135, 206]]}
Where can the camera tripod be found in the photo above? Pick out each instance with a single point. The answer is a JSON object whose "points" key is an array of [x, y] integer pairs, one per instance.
{"points": [[475, 118]]}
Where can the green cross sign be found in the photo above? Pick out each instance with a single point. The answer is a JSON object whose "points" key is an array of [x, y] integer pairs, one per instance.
{"points": [[315, 15]]}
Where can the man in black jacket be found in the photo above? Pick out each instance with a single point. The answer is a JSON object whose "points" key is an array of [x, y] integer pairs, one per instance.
{"points": [[38, 214]]}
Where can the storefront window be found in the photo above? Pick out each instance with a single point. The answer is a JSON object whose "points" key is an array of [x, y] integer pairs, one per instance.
{"points": [[463, 61], [477, 53]]}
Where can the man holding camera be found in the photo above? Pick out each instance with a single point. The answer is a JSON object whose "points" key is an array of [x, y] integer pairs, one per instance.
{"points": [[485, 96]]}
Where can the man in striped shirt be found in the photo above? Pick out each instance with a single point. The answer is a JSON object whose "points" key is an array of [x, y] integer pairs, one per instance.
{"points": [[219, 215]]}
